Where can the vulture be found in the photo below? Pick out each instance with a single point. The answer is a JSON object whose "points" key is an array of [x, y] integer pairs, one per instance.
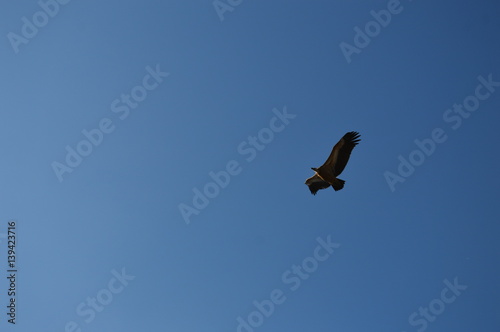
{"points": [[326, 175]]}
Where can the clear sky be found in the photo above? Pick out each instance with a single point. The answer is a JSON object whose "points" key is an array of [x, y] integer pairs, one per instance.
{"points": [[155, 153]]}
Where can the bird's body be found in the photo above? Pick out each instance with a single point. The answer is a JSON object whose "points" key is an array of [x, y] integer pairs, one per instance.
{"points": [[326, 175]]}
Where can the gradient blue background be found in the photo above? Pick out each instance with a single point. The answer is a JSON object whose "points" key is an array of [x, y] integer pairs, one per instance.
{"points": [[120, 207]]}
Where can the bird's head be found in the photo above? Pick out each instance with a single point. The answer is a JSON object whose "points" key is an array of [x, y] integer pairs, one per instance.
{"points": [[314, 169]]}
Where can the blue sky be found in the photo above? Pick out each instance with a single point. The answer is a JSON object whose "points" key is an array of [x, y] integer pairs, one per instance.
{"points": [[254, 93]]}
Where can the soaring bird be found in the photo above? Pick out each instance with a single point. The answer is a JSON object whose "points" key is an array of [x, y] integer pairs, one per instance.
{"points": [[326, 175]]}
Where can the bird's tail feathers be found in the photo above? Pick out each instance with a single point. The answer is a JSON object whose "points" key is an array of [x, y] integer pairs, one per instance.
{"points": [[338, 184]]}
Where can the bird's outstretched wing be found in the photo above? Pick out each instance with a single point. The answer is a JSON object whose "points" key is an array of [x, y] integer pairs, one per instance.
{"points": [[316, 183], [342, 151]]}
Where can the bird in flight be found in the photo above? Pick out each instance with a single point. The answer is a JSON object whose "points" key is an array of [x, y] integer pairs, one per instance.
{"points": [[326, 175]]}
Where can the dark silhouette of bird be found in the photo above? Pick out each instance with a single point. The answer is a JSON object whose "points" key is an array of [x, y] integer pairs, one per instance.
{"points": [[326, 175]]}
